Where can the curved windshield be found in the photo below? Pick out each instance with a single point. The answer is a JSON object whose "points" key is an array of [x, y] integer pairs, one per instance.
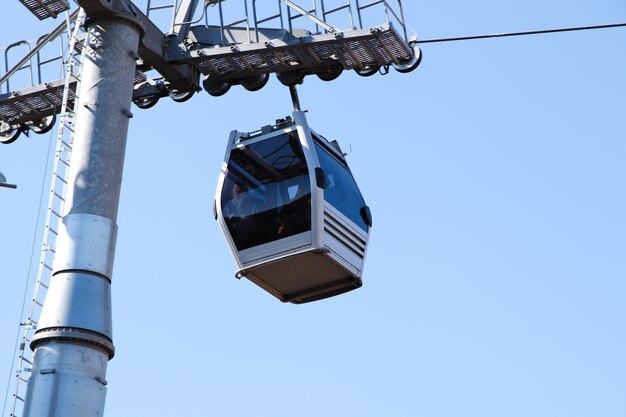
{"points": [[266, 194], [342, 192]]}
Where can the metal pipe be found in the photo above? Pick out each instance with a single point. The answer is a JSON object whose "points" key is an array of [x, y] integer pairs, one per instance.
{"points": [[403, 22], [358, 11], [245, 4], [294, 97], [74, 341], [256, 20], [280, 12]]}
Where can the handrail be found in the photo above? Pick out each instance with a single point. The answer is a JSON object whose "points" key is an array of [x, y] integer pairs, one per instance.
{"points": [[49, 37], [23, 66]]}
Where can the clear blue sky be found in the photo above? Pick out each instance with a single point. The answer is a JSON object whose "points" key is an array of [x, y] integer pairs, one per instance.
{"points": [[495, 282]]}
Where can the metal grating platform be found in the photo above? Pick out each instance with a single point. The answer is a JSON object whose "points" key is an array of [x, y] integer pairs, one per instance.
{"points": [[46, 8], [352, 49], [34, 103]]}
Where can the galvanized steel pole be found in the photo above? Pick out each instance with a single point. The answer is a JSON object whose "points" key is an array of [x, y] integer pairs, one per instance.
{"points": [[74, 339]]}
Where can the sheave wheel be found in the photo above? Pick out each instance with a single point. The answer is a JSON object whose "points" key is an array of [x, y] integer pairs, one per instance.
{"points": [[330, 74], [215, 85], [8, 134], [410, 63], [44, 125], [255, 82], [290, 78], [181, 97], [367, 71], [146, 102]]}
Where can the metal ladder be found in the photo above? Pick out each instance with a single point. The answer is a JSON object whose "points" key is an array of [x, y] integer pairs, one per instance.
{"points": [[56, 201]]}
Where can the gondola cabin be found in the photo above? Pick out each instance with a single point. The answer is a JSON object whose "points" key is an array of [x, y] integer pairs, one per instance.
{"points": [[292, 213]]}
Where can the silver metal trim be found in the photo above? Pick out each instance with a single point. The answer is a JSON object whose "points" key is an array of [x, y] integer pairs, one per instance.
{"points": [[87, 243]]}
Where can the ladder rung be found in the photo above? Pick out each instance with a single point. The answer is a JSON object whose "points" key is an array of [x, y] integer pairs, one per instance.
{"points": [[55, 213], [27, 361], [59, 195], [19, 398], [43, 284], [38, 302], [47, 267], [22, 379]]}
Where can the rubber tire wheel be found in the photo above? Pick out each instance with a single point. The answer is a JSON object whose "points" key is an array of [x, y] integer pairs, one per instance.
{"points": [[290, 78], [215, 86], [255, 82], [330, 74], [367, 71], [9, 135], [412, 63], [181, 97], [146, 103], [45, 125]]}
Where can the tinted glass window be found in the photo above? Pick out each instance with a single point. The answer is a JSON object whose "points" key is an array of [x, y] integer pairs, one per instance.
{"points": [[266, 194], [342, 193]]}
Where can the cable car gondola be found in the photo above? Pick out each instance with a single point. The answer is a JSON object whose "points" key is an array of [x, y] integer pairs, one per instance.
{"points": [[292, 213]]}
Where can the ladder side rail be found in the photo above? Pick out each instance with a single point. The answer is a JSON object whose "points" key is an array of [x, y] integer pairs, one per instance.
{"points": [[52, 35]]}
